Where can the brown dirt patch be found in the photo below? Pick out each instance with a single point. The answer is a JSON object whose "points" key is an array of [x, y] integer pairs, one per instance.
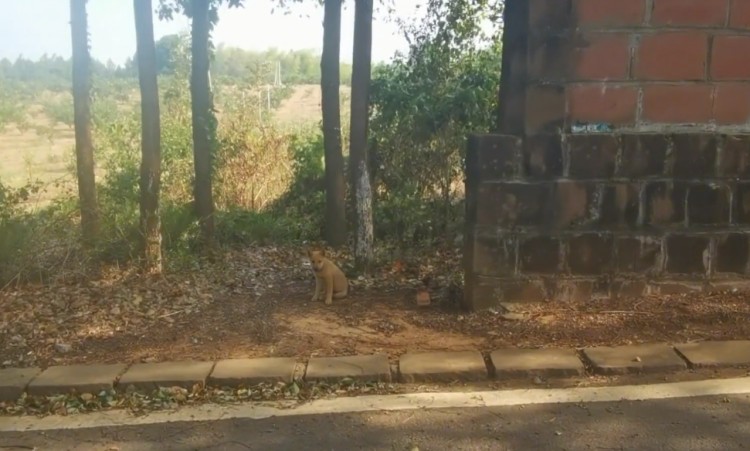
{"points": [[258, 304]]}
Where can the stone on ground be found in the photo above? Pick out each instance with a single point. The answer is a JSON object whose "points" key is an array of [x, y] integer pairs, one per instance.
{"points": [[13, 382], [57, 380], [648, 358], [246, 372], [716, 354], [359, 367], [442, 367], [514, 363], [148, 376]]}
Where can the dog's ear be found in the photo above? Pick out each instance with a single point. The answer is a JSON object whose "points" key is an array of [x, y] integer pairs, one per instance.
{"points": [[322, 252], [310, 252]]}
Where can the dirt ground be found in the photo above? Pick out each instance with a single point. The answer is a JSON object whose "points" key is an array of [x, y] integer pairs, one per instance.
{"points": [[257, 303]]}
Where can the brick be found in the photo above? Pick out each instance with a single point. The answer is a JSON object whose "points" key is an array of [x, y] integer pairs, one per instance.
{"points": [[689, 12], [672, 56], [646, 358], [599, 14], [359, 367], [733, 253], [602, 103], [734, 161], [248, 372], [639, 254], [542, 156], [602, 56], [620, 205], [539, 254], [739, 14], [513, 204], [694, 155], [643, 155], [546, 16], [493, 255], [58, 380], [708, 204], [592, 156], [727, 61], [572, 205], [549, 58], [742, 203], [732, 103], [518, 363], [498, 155], [687, 254], [150, 376], [590, 254], [13, 382], [665, 203], [716, 354], [545, 108], [442, 367], [677, 104]]}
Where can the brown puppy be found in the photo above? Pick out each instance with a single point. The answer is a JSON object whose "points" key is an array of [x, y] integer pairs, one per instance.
{"points": [[328, 277]]}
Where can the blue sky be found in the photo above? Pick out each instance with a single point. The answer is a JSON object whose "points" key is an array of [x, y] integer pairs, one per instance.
{"points": [[34, 27]]}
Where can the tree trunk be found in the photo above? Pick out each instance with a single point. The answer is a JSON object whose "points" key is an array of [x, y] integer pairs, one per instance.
{"points": [[150, 182], [82, 119], [512, 94], [360, 98], [330, 81], [204, 123]]}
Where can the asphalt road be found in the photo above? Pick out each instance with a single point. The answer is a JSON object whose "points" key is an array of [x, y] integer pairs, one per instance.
{"points": [[706, 423]]}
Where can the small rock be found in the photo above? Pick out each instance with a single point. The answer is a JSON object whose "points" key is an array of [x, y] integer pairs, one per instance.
{"points": [[115, 310], [637, 359], [86, 397], [148, 360], [538, 380], [63, 348]]}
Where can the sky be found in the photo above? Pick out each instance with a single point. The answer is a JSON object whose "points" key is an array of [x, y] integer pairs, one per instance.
{"points": [[34, 27]]}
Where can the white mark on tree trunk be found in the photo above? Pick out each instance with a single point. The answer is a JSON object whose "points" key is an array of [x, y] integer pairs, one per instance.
{"points": [[363, 247]]}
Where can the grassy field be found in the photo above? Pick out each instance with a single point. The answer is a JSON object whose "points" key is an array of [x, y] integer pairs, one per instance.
{"points": [[43, 149]]}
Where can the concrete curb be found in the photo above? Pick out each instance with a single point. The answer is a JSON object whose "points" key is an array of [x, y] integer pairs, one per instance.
{"points": [[465, 366]]}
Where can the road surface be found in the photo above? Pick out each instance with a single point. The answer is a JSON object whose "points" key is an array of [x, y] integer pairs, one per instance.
{"points": [[704, 423]]}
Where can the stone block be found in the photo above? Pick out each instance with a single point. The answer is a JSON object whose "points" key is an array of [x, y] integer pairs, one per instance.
{"points": [[247, 372], [733, 253], [523, 290], [694, 155], [498, 156], [590, 253], [57, 380], [734, 161], [592, 156], [572, 204], [665, 203], [708, 204], [643, 155], [639, 254], [539, 254], [517, 363], [545, 108], [687, 254], [493, 254], [542, 156], [442, 367], [716, 354], [620, 205], [13, 382], [149, 376], [359, 367], [513, 204], [648, 358], [742, 203]]}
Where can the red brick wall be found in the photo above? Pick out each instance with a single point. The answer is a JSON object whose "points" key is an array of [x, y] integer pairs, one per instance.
{"points": [[639, 65]]}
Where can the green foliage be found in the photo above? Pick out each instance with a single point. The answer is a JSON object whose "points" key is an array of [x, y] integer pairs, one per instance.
{"points": [[423, 106]]}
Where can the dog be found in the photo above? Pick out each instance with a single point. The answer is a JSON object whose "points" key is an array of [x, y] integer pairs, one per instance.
{"points": [[330, 281]]}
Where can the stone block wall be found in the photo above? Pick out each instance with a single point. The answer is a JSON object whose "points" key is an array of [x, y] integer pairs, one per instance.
{"points": [[565, 216]]}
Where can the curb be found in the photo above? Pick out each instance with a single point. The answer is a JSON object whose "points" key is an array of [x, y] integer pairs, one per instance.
{"points": [[464, 366]]}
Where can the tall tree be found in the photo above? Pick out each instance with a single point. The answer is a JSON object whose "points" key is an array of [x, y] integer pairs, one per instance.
{"points": [[360, 102], [330, 80], [150, 181], [82, 119], [204, 122]]}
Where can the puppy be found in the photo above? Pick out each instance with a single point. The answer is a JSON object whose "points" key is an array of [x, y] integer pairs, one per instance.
{"points": [[330, 281]]}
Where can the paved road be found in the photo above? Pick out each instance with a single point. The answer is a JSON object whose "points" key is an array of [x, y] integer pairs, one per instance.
{"points": [[706, 423]]}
